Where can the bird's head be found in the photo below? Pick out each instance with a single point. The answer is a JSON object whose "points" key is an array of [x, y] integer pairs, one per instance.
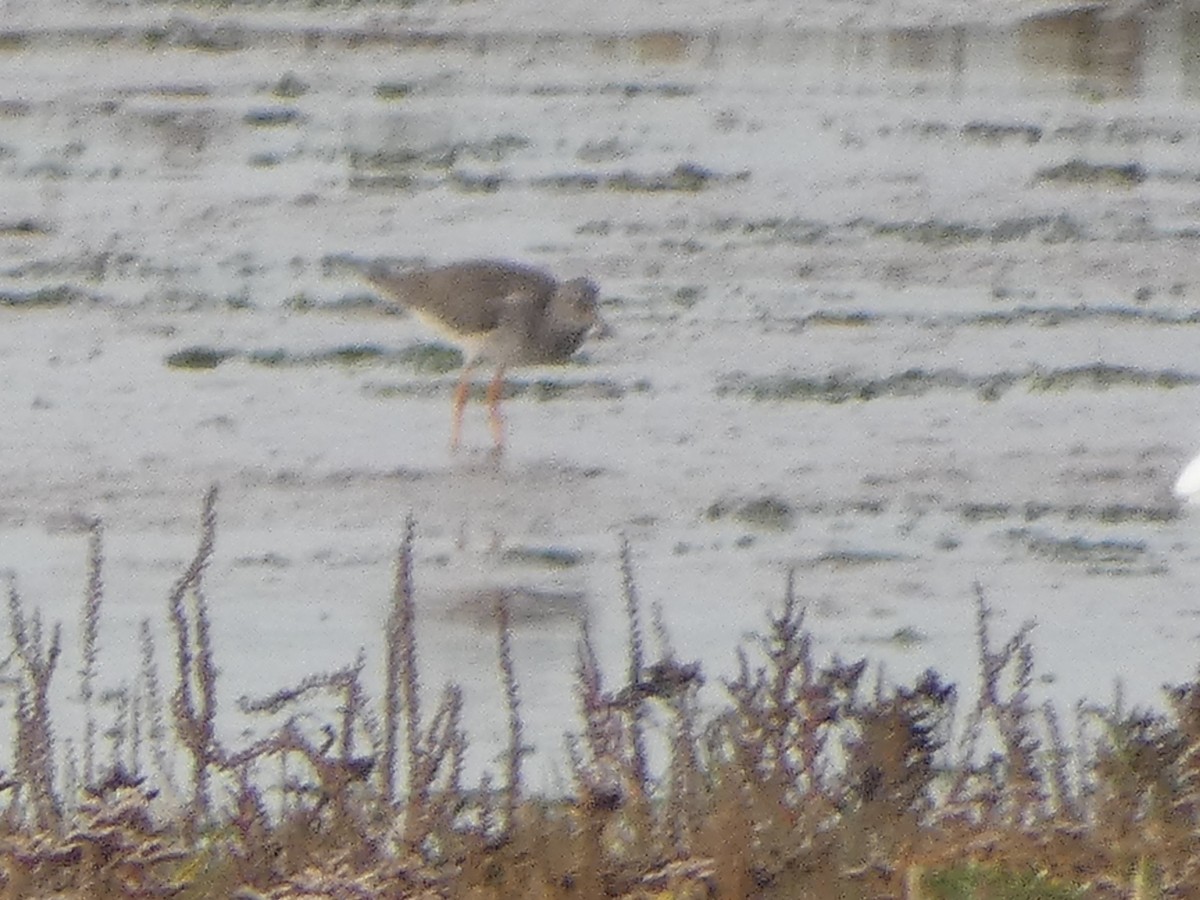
{"points": [[573, 307]]}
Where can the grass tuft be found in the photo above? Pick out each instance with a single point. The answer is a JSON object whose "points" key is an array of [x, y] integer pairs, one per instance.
{"points": [[198, 358], [767, 513]]}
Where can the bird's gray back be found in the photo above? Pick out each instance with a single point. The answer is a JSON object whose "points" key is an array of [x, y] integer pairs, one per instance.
{"points": [[468, 297]]}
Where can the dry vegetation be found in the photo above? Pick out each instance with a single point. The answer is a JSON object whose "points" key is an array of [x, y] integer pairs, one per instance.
{"points": [[806, 780]]}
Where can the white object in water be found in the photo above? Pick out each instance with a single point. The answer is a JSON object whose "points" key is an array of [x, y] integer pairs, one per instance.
{"points": [[1187, 485]]}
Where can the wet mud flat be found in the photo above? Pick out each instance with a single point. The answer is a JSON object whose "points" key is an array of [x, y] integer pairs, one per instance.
{"points": [[905, 308]]}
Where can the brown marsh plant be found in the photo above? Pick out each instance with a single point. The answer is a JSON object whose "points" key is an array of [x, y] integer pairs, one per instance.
{"points": [[795, 777]]}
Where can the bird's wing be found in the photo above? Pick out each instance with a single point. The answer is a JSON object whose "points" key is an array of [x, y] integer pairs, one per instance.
{"points": [[467, 298]]}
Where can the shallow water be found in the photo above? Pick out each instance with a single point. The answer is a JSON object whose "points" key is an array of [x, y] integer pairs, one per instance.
{"points": [[929, 291]]}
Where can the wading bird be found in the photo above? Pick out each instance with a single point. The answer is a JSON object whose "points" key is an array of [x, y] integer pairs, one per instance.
{"points": [[499, 313]]}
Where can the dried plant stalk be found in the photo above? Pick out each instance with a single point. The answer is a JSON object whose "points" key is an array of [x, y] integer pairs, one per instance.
{"points": [[516, 749], [681, 811], [151, 696], [34, 764], [636, 657], [1013, 716], [91, 624], [443, 751], [399, 686], [194, 702]]}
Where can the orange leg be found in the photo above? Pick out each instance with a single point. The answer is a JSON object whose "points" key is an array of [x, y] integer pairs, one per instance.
{"points": [[460, 401], [494, 393]]}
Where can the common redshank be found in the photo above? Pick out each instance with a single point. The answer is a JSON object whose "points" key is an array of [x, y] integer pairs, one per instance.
{"points": [[500, 313]]}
